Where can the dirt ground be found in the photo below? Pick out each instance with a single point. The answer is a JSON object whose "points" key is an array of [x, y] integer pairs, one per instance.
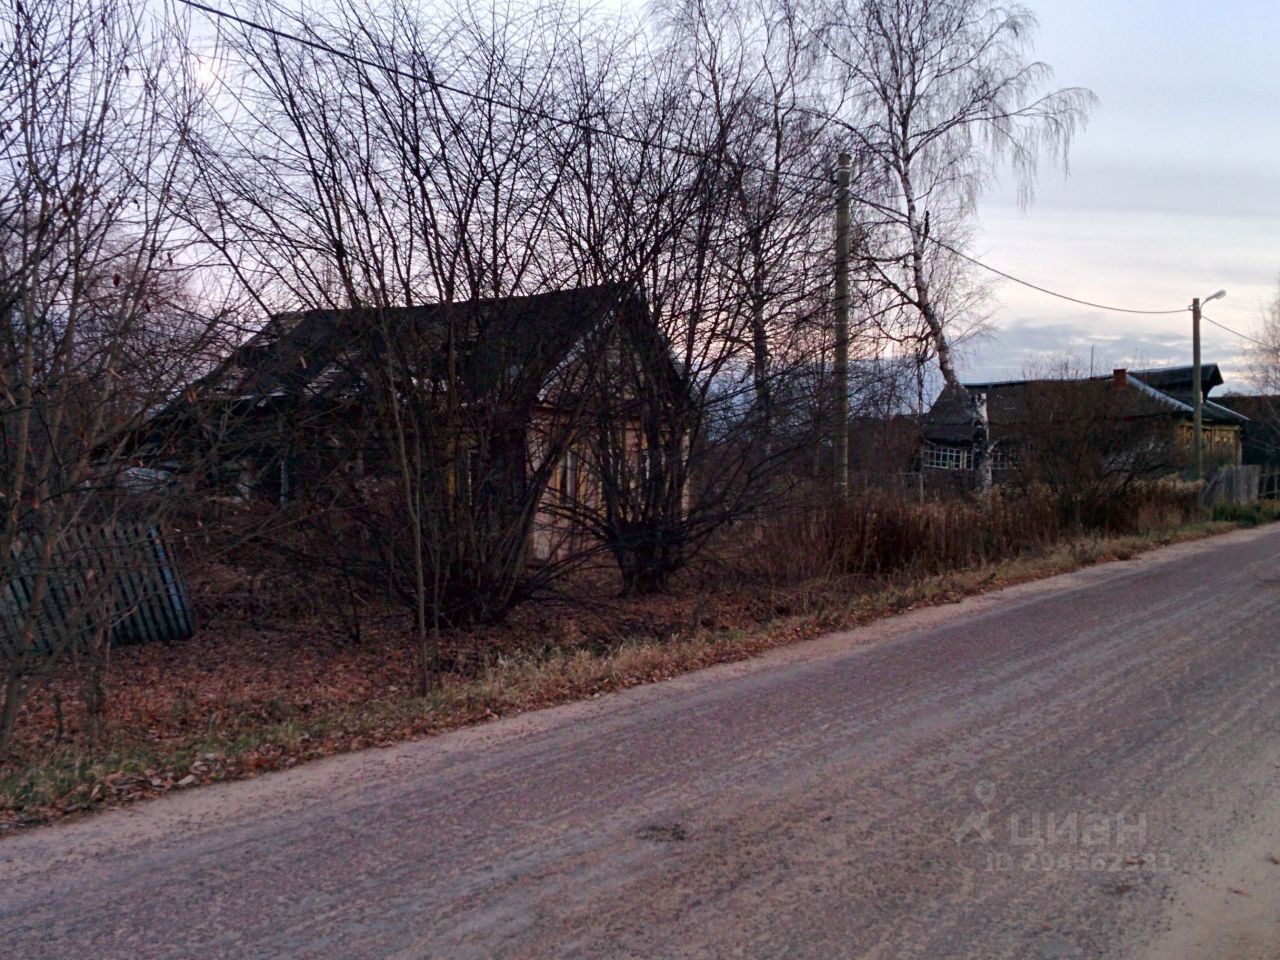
{"points": [[1080, 767], [263, 656]]}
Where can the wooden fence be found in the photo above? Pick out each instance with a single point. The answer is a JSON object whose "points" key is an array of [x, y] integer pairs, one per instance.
{"points": [[123, 578], [1269, 485], [1247, 484]]}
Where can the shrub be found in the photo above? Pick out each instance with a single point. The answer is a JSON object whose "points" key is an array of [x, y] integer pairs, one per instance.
{"points": [[881, 535]]}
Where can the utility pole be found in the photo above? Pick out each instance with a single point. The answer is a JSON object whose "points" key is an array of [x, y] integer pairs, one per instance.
{"points": [[841, 437], [1197, 387], [1197, 394]]}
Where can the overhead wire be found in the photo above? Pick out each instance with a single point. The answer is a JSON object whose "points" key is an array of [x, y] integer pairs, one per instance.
{"points": [[1236, 333], [439, 85], [595, 130], [1053, 293]]}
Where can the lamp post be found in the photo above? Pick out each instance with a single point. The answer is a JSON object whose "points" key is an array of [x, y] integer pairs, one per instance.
{"points": [[1197, 392]]}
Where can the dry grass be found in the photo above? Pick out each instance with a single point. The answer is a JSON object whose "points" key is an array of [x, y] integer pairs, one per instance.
{"points": [[257, 726], [879, 536]]}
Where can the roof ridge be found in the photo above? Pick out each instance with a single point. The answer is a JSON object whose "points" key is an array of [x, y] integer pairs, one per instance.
{"points": [[1144, 387]]}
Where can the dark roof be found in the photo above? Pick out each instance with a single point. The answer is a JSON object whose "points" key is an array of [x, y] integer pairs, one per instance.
{"points": [[494, 342], [1016, 404], [509, 354], [1179, 379], [1215, 412], [1253, 406], [1177, 383]]}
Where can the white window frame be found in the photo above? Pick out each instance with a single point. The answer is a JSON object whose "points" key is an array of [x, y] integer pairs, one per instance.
{"points": [[941, 456]]}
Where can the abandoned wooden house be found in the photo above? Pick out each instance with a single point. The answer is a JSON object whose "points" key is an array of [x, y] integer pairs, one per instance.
{"points": [[482, 395], [1139, 422]]}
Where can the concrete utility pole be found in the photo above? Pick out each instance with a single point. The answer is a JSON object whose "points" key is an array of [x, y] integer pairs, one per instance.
{"points": [[1197, 416], [1197, 388], [841, 387]]}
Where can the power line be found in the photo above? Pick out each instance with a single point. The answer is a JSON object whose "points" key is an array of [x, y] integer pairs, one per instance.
{"points": [[1053, 293], [1242, 336], [439, 85], [584, 127], [978, 263]]}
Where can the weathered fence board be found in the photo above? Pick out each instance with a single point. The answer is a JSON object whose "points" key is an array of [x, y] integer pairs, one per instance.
{"points": [[1234, 485], [1269, 488], [122, 578]]}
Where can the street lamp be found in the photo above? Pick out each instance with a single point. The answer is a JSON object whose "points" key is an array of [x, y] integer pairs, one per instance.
{"points": [[1197, 392]]}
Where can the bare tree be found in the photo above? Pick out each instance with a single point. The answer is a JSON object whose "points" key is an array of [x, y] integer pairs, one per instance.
{"points": [[372, 186], [941, 92], [1262, 358], [374, 191], [749, 70], [712, 207], [96, 321]]}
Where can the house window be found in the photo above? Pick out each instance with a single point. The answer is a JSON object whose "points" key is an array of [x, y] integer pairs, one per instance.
{"points": [[1004, 458], [940, 457], [569, 478]]}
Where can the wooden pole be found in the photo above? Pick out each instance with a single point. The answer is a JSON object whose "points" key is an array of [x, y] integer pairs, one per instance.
{"points": [[841, 387]]}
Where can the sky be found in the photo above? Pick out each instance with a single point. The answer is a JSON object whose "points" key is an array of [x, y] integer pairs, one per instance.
{"points": [[1173, 192]]}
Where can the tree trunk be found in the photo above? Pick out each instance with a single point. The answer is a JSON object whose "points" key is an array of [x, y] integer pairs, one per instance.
{"points": [[981, 442], [12, 700], [937, 330]]}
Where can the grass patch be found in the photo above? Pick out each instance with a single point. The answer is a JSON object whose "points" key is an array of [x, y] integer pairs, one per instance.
{"points": [[1247, 514], [65, 781]]}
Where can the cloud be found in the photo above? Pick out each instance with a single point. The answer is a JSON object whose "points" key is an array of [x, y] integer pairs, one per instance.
{"points": [[1013, 351], [1145, 261]]}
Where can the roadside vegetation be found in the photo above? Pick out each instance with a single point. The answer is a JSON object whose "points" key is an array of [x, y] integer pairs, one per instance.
{"points": [[1245, 514], [277, 680]]}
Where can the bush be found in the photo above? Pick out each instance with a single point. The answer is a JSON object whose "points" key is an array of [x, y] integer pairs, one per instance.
{"points": [[883, 535]]}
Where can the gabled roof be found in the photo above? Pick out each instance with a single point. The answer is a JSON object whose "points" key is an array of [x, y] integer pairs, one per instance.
{"points": [[1215, 412], [1013, 405], [1177, 382], [1179, 379], [508, 355], [494, 342]]}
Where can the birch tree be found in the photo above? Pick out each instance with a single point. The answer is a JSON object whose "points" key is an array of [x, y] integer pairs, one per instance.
{"points": [[944, 94]]}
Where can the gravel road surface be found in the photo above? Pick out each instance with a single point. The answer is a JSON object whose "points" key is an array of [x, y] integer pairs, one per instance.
{"points": [[1088, 766]]}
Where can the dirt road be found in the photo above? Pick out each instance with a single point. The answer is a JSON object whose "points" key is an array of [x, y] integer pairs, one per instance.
{"points": [[1084, 767]]}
